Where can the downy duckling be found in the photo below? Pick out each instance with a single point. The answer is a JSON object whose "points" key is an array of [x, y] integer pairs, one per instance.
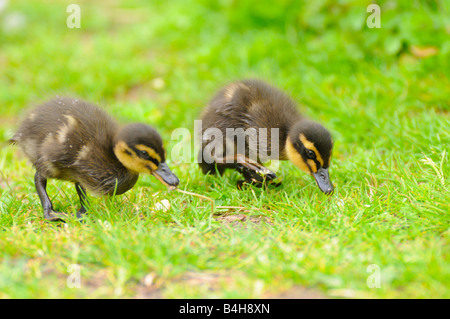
{"points": [[72, 140], [265, 125]]}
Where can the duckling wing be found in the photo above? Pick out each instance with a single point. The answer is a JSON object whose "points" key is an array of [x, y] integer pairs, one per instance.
{"points": [[57, 134], [256, 105]]}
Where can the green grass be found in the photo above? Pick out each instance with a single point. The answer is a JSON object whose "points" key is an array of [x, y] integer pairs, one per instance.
{"points": [[383, 93]]}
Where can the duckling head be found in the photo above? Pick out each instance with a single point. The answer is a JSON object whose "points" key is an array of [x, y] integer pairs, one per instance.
{"points": [[140, 149], [309, 146]]}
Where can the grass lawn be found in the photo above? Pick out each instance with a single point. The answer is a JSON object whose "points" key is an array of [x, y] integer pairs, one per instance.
{"points": [[382, 92]]}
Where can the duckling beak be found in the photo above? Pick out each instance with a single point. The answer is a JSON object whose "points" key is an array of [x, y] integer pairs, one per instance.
{"points": [[165, 175], [323, 180]]}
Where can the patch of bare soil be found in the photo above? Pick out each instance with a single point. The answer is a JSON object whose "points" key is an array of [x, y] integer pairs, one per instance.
{"points": [[238, 218], [234, 220], [215, 281], [148, 292], [297, 292]]}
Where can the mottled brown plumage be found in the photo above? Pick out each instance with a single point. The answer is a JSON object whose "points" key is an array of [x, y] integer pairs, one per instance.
{"points": [[251, 105], [73, 140]]}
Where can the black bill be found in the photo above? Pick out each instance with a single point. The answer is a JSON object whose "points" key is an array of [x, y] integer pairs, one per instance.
{"points": [[165, 175], [323, 180]]}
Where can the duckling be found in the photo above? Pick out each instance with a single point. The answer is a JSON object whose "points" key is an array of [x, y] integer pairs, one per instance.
{"points": [[72, 140], [266, 123]]}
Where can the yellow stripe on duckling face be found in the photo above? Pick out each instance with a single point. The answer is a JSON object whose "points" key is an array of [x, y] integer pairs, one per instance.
{"points": [[312, 165], [150, 151], [295, 157], [310, 145], [130, 160]]}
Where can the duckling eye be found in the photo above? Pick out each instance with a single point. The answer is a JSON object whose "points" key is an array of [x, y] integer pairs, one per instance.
{"points": [[310, 154], [145, 155]]}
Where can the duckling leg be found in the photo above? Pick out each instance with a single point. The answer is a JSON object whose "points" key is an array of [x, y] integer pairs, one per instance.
{"points": [[247, 166], [254, 172], [253, 178], [83, 200], [41, 188]]}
